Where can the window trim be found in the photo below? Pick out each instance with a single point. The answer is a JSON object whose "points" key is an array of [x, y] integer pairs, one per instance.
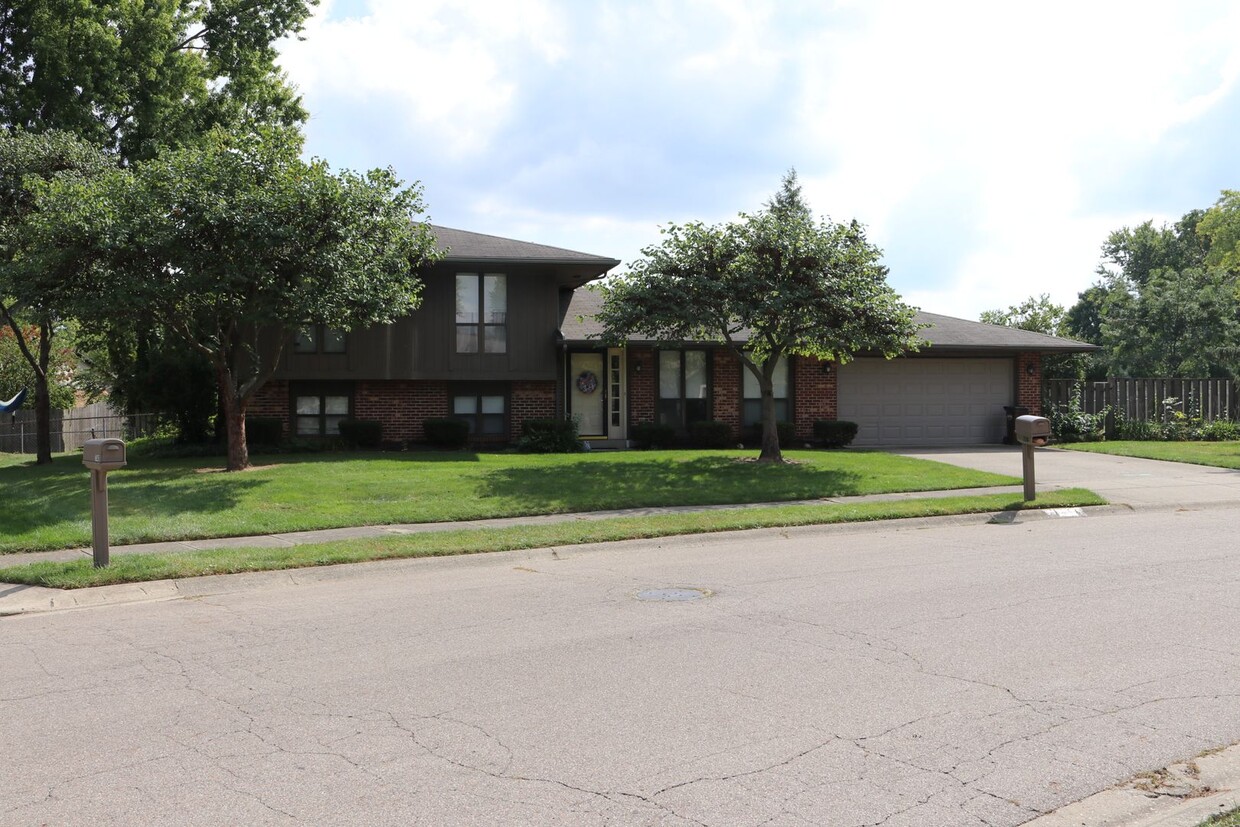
{"points": [[481, 326], [319, 332], [475, 419], [682, 416], [322, 390], [789, 399]]}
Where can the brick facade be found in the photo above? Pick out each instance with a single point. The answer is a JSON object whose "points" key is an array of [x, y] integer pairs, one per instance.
{"points": [[814, 394], [271, 401], [530, 400], [1029, 383], [641, 368], [726, 378]]}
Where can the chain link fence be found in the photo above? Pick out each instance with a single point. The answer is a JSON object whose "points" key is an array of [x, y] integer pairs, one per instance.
{"points": [[73, 427]]}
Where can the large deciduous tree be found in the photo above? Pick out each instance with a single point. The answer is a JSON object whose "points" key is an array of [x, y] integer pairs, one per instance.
{"points": [[770, 285], [236, 244], [1165, 303], [31, 298], [136, 77]]}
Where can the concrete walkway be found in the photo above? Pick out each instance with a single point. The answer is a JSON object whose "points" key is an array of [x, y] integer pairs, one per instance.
{"points": [[1139, 483], [331, 535]]}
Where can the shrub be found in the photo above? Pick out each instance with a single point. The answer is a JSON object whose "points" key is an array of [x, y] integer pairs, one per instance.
{"points": [[652, 435], [446, 433], [712, 434], [263, 430], [549, 436], [1218, 430], [834, 433], [361, 433], [1069, 423]]}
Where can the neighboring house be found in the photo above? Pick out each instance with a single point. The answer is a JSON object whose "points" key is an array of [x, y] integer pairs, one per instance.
{"points": [[504, 334]]}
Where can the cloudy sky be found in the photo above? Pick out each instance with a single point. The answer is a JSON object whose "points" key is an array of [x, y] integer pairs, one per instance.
{"points": [[989, 147]]}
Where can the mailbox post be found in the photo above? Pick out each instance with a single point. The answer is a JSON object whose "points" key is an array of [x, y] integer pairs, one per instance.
{"points": [[101, 456], [1031, 431]]}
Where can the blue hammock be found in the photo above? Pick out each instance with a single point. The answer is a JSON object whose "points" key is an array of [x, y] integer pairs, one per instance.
{"points": [[14, 403]]}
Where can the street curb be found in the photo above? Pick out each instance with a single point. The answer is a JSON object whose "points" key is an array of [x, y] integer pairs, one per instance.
{"points": [[1181, 795], [18, 600]]}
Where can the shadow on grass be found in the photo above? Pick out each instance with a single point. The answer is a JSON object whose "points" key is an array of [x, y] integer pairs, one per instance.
{"points": [[657, 481]]}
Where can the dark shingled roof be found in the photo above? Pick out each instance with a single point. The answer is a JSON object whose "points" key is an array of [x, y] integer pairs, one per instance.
{"points": [[944, 333], [463, 245]]}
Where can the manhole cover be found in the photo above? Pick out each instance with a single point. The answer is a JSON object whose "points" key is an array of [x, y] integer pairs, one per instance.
{"points": [[669, 595]]}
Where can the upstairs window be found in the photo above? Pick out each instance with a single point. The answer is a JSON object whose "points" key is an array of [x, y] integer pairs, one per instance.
{"points": [[751, 407], [481, 313], [319, 338]]}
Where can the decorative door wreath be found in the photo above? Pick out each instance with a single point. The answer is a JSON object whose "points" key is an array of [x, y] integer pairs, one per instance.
{"points": [[587, 382]]}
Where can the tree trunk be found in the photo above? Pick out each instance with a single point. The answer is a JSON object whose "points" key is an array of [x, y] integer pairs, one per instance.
{"points": [[234, 420], [43, 398], [770, 429]]}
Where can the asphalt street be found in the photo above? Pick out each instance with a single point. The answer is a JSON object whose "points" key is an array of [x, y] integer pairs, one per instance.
{"points": [[855, 675]]}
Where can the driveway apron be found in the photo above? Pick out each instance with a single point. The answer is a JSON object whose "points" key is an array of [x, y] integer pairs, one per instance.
{"points": [[1140, 483]]}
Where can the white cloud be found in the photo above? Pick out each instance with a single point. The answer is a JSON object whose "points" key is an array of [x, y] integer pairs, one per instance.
{"points": [[1002, 133]]}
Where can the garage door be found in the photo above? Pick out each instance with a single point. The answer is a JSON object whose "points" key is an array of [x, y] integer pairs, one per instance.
{"points": [[926, 401]]}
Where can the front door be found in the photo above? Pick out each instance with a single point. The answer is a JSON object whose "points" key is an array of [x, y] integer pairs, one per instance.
{"points": [[587, 393]]}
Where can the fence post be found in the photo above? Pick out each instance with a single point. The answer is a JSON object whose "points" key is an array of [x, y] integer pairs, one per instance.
{"points": [[1109, 401]]}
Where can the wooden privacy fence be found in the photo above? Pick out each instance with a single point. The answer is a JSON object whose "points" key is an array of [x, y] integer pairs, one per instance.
{"points": [[71, 428], [1142, 400]]}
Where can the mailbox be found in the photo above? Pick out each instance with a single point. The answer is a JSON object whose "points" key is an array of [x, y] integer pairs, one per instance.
{"points": [[1033, 430], [103, 454]]}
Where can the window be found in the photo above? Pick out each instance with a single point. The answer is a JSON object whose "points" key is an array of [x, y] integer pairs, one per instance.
{"points": [[751, 406], [481, 313], [319, 414], [484, 412], [684, 388], [319, 338]]}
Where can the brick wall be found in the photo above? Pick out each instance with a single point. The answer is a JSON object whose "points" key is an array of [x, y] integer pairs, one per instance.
{"points": [[814, 394], [1029, 387], [641, 385], [400, 405], [727, 390], [530, 400], [272, 401]]}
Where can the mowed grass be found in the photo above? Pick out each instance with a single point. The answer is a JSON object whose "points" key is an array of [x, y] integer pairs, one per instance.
{"points": [[135, 568], [1221, 454], [48, 507]]}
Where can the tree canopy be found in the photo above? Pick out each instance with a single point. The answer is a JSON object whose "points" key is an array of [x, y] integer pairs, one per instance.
{"points": [[235, 244], [1165, 303], [769, 285]]}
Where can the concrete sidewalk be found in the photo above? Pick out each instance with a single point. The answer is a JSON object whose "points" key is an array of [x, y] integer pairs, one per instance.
{"points": [[330, 535]]}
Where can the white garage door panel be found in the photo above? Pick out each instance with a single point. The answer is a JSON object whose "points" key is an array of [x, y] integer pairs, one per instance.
{"points": [[926, 401]]}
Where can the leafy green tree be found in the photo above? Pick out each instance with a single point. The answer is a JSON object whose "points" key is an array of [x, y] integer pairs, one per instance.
{"points": [[134, 77], [31, 298], [773, 284], [1221, 225], [1165, 303], [16, 372], [1036, 313], [234, 245], [137, 76]]}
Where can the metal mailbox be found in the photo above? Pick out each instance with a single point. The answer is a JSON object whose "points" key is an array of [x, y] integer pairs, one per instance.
{"points": [[103, 454], [1033, 430]]}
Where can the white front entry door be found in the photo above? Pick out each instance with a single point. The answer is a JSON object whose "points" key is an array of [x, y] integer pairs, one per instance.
{"points": [[587, 393]]}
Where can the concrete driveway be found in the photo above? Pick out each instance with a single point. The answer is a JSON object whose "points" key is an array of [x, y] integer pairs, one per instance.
{"points": [[1141, 483]]}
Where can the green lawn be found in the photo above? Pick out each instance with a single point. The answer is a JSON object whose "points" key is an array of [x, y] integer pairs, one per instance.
{"points": [[1228, 819], [1222, 454], [48, 507], [135, 568]]}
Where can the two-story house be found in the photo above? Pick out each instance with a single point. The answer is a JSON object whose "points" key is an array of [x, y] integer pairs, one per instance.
{"points": [[506, 333]]}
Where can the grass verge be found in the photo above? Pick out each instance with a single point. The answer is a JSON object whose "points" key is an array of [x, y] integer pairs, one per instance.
{"points": [[1220, 454], [1227, 819], [137, 568], [48, 507]]}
